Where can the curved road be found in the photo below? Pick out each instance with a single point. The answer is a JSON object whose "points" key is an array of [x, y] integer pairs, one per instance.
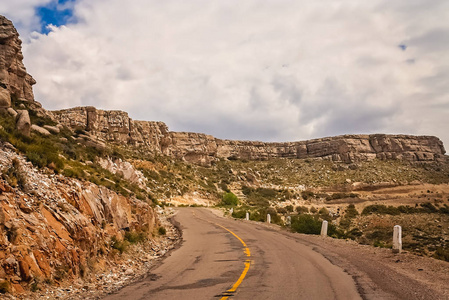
{"points": [[222, 258]]}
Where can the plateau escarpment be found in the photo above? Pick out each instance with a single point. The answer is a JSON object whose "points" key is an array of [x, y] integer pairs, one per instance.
{"points": [[198, 148]]}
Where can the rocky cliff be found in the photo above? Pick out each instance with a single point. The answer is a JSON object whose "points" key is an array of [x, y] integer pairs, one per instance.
{"points": [[117, 127], [54, 228], [14, 79]]}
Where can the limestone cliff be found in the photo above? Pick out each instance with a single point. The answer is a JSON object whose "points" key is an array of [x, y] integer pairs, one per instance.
{"points": [[117, 127], [13, 76]]}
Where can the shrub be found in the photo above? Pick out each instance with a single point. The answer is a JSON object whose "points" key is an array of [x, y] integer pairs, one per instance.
{"points": [[351, 212], [162, 230], [380, 209], [230, 199], [121, 246], [353, 234], [381, 244], [335, 196], [346, 220], [302, 209], [281, 210], [306, 195], [35, 285], [134, 237], [289, 208], [429, 207], [239, 214], [307, 224], [442, 253], [4, 287]]}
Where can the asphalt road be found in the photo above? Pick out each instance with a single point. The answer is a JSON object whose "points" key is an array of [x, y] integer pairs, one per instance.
{"points": [[222, 258]]}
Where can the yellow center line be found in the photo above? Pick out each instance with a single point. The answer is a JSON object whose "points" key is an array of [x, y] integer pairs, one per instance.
{"points": [[247, 262]]}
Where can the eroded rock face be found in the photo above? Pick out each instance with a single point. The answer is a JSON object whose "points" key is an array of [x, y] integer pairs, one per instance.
{"points": [[198, 148], [115, 126], [13, 75], [125, 170], [54, 229]]}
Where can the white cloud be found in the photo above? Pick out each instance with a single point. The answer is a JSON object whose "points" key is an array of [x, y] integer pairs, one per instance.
{"points": [[22, 13], [269, 70]]}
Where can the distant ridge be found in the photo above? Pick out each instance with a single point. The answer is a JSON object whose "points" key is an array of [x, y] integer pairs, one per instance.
{"points": [[118, 127]]}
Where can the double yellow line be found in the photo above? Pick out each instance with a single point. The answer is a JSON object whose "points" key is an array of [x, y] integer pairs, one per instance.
{"points": [[232, 290]]}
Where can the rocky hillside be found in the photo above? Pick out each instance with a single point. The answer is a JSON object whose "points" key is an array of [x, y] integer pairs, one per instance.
{"points": [[53, 227], [117, 127]]}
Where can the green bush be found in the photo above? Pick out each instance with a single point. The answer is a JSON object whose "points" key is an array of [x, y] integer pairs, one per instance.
{"points": [[346, 220], [336, 196], [353, 234], [239, 213], [380, 209], [302, 209], [121, 246], [230, 199], [429, 207], [306, 195], [134, 237], [351, 212], [307, 224]]}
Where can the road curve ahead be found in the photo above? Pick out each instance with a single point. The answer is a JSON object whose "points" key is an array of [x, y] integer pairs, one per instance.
{"points": [[222, 258]]}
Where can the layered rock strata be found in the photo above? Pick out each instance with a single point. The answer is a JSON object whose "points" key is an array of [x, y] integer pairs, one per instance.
{"points": [[53, 227], [14, 79], [117, 127]]}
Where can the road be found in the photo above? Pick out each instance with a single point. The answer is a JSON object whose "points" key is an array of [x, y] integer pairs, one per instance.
{"points": [[222, 258]]}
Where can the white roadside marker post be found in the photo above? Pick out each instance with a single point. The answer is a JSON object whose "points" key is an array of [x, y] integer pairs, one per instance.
{"points": [[247, 216], [324, 229], [268, 218], [397, 239]]}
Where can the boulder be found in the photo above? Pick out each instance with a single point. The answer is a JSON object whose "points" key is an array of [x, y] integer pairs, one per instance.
{"points": [[40, 130], [52, 129], [23, 123], [5, 98], [12, 112]]}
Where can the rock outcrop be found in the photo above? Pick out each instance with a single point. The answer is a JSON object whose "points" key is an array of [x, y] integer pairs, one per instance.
{"points": [[53, 227], [13, 75], [23, 123], [117, 127]]}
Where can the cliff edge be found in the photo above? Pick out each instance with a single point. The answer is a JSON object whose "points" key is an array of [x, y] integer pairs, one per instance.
{"points": [[198, 148]]}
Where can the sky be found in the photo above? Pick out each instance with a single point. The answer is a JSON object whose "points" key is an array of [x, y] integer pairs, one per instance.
{"points": [[270, 70]]}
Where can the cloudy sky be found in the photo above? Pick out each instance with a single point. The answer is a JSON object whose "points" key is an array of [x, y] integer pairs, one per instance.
{"points": [[272, 70]]}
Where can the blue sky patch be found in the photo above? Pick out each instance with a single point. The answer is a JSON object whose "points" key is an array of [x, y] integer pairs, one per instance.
{"points": [[57, 13], [402, 47]]}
